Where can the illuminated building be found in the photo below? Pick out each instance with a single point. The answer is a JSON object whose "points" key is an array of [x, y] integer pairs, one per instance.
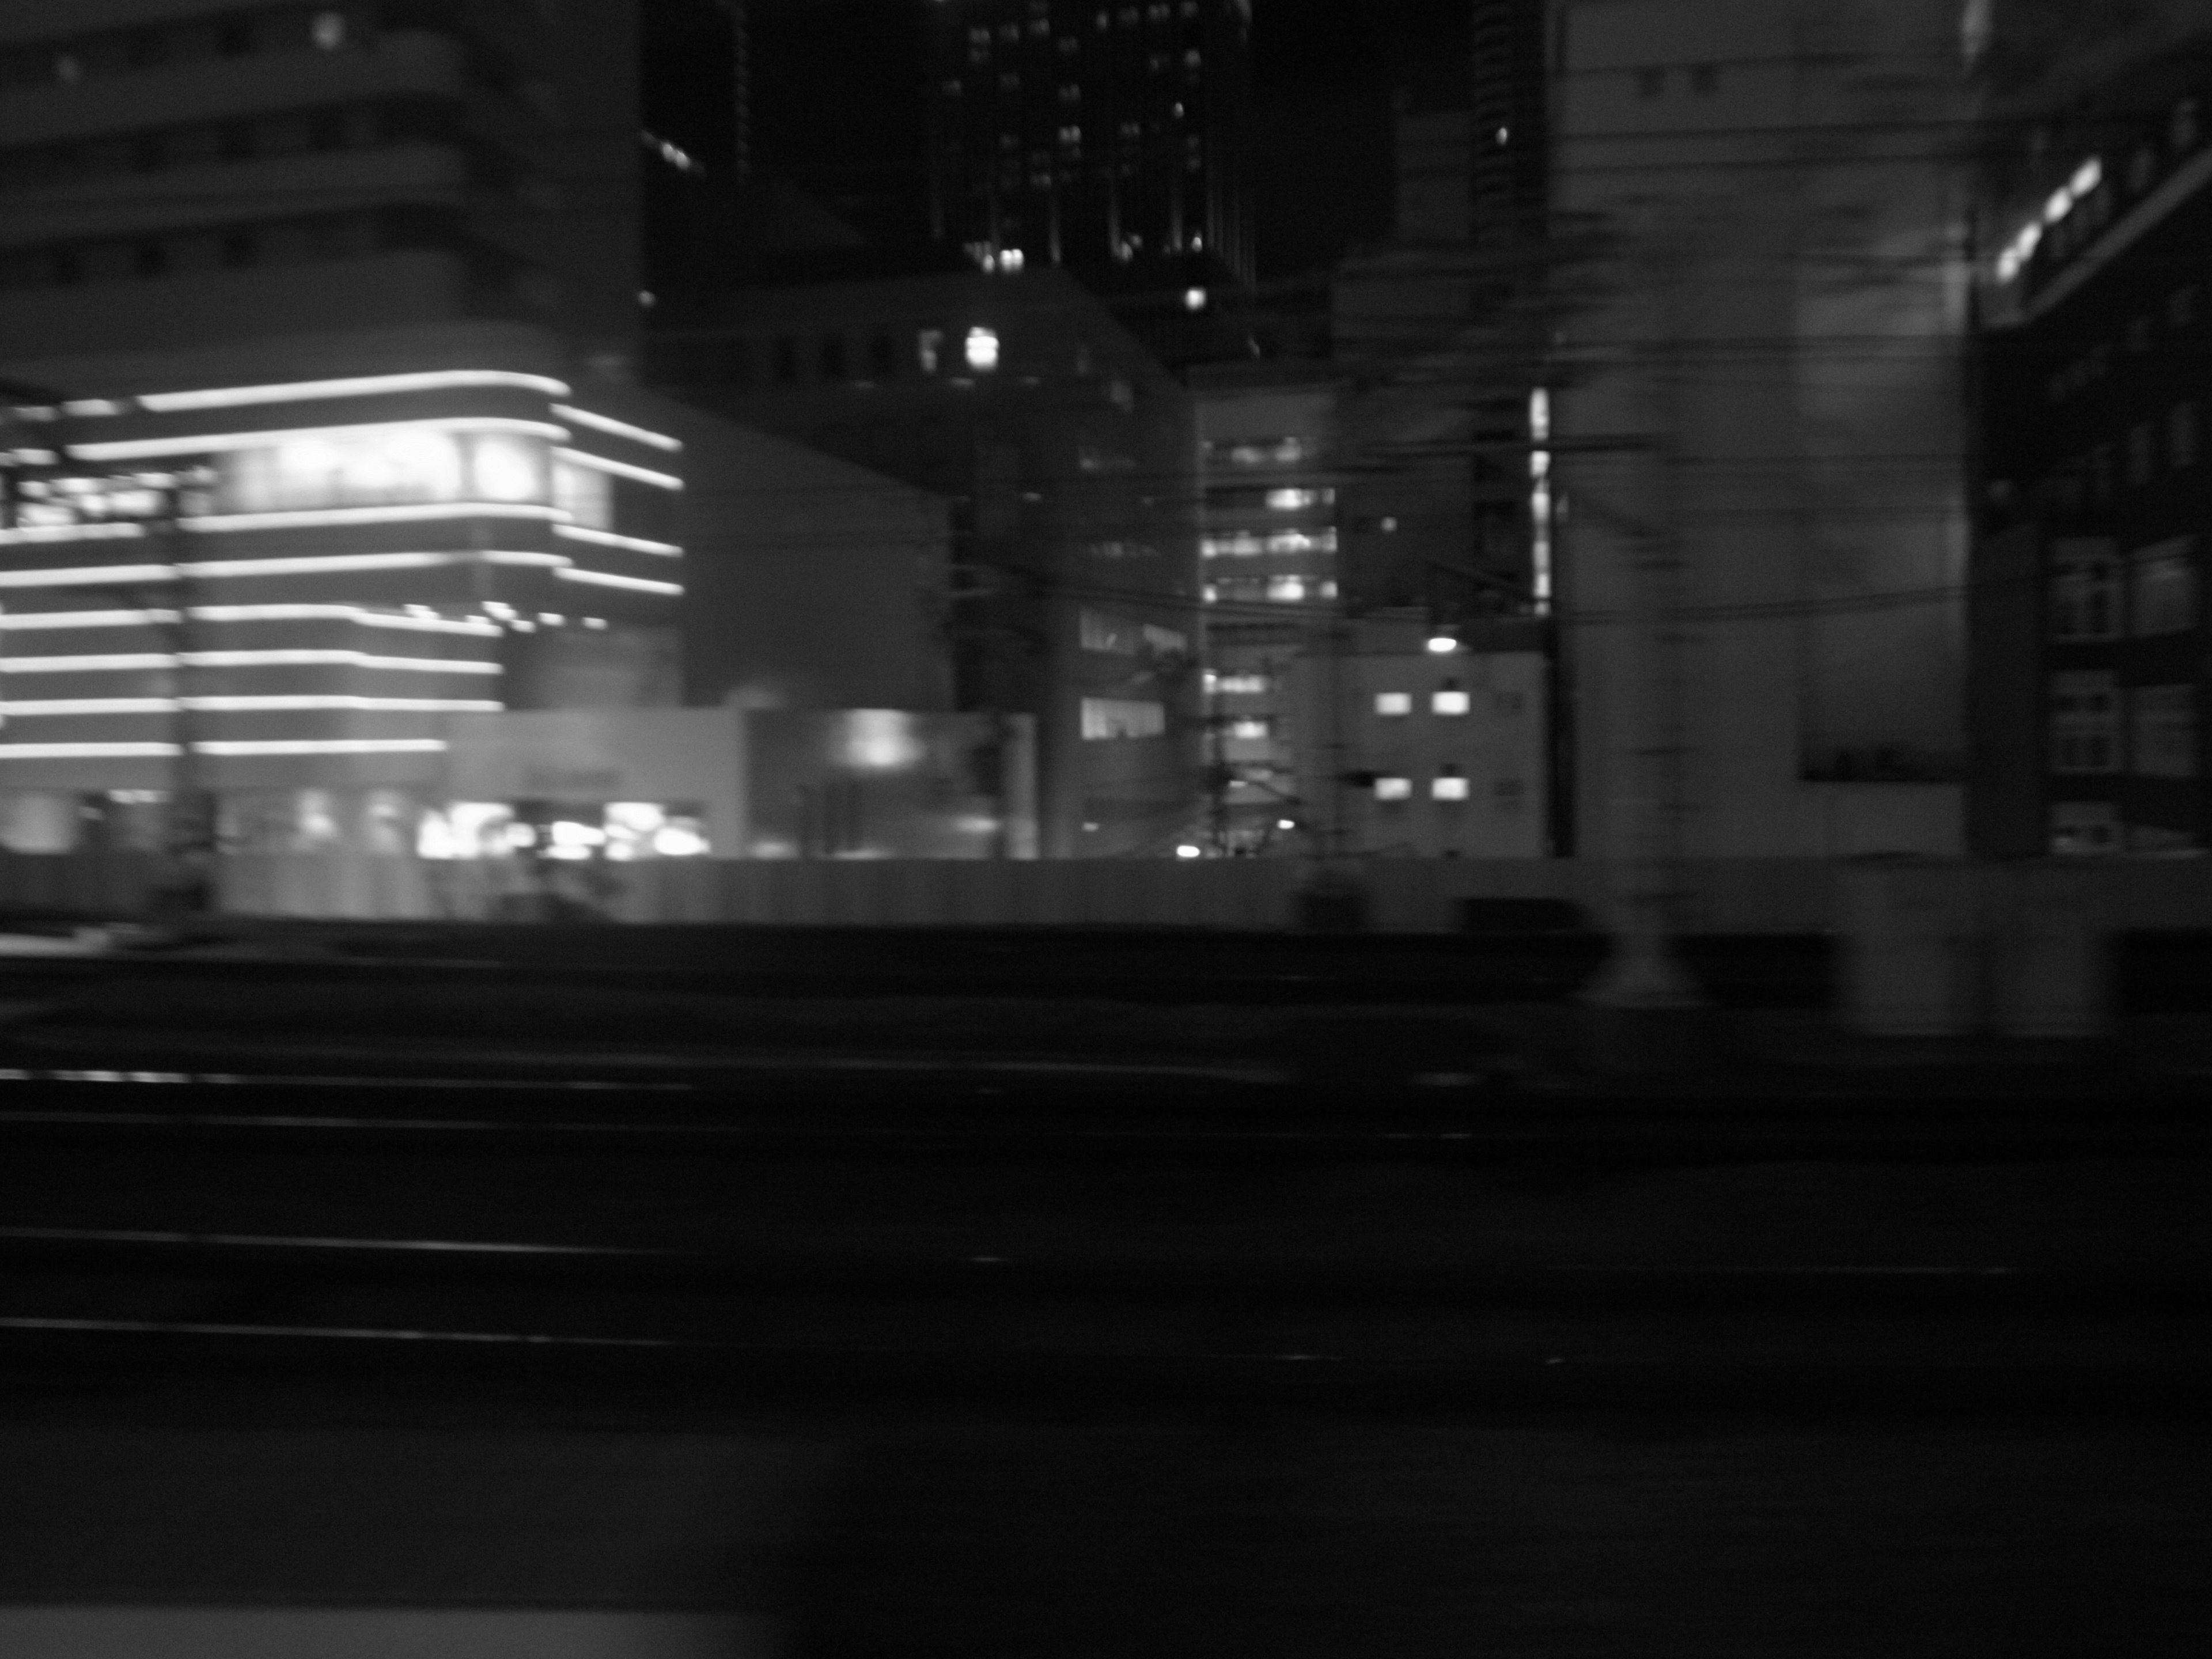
{"points": [[2095, 507], [1068, 453], [1267, 548], [280, 592], [1094, 134], [1420, 745]]}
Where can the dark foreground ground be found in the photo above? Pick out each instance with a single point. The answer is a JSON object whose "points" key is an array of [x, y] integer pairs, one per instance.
{"points": [[1092, 1296]]}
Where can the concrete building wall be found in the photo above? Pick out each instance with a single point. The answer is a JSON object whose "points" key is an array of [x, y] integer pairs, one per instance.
{"points": [[1759, 429]]}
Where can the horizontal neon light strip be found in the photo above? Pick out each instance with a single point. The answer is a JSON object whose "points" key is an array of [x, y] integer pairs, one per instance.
{"points": [[352, 613], [618, 428], [361, 386], [601, 579], [71, 620], [104, 575], [411, 513], [116, 661], [314, 563], [127, 449], [117, 576], [82, 750], [323, 746], [59, 706], [620, 468], [98, 530], [608, 538]]}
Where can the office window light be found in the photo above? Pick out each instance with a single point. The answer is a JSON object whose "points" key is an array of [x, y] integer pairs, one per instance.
{"points": [[981, 349], [1394, 788], [1447, 786], [1449, 702], [1391, 704]]}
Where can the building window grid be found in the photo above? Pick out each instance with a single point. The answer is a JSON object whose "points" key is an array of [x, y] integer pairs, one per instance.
{"points": [[2085, 723]]}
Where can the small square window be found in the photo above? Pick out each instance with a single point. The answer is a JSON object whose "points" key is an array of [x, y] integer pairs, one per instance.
{"points": [[1394, 789], [1390, 704], [1449, 702]]}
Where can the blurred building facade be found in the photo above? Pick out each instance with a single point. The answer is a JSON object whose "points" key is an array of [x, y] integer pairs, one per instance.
{"points": [[1759, 448], [1108, 139], [1069, 454], [1267, 541], [1425, 744], [2088, 663]]}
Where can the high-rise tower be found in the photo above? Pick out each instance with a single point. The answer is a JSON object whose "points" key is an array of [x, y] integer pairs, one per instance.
{"points": [[1107, 136]]}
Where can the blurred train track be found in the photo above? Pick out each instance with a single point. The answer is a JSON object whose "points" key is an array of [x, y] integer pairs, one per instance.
{"points": [[1114, 1238]]}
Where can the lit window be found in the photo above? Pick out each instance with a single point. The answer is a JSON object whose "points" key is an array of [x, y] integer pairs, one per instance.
{"points": [[928, 344], [505, 470], [1449, 702], [2085, 722], [1390, 704], [982, 349], [1194, 299], [2165, 735], [1394, 788], [1448, 787], [1240, 686], [329, 30], [1249, 730], [1105, 719], [1292, 501], [1237, 545], [1287, 590]]}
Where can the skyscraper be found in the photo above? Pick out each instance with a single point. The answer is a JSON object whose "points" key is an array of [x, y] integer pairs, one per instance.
{"points": [[1106, 137]]}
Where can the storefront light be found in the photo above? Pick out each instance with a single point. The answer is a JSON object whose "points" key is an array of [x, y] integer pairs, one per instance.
{"points": [[505, 470]]}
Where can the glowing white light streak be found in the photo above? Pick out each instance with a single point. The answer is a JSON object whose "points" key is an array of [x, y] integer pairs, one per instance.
{"points": [[412, 513], [70, 620], [602, 578], [116, 661], [406, 705], [318, 563], [82, 750], [608, 538], [36, 708], [89, 575], [547, 561], [620, 468], [95, 406], [108, 530], [350, 613], [618, 428], [323, 746], [124, 449], [363, 385]]}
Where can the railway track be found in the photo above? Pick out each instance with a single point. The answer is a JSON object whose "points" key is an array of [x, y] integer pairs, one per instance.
{"points": [[1048, 1236]]}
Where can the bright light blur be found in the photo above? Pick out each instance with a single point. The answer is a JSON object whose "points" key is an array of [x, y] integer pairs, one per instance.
{"points": [[679, 839], [1442, 645], [506, 470], [1194, 299], [879, 739], [1187, 851], [982, 349]]}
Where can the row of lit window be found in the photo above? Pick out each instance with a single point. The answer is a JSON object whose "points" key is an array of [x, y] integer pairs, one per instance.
{"points": [[2079, 210], [2136, 340], [2089, 585], [1449, 784], [118, 51], [1105, 719], [2086, 733], [1249, 543], [1239, 685], [1040, 27], [1257, 452], [289, 241], [1450, 702], [1272, 590]]}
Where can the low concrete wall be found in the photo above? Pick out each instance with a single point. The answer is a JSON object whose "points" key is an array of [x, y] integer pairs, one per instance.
{"points": [[1718, 896]]}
